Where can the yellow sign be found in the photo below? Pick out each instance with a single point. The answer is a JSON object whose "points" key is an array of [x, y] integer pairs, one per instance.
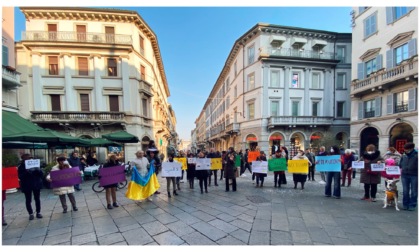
{"points": [[297, 166], [216, 164], [183, 161]]}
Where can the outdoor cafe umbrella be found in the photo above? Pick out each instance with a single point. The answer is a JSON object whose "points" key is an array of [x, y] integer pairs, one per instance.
{"points": [[121, 137], [100, 142], [51, 137]]}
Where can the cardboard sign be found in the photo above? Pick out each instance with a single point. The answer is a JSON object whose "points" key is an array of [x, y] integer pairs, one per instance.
{"points": [[297, 166], [9, 177], [183, 161], [65, 177], [328, 163], [111, 175], [191, 160], [32, 163], [171, 169], [377, 167], [392, 170], [277, 164], [216, 164], [202, 164], [357, 164], [259, 166], [252, 156]]}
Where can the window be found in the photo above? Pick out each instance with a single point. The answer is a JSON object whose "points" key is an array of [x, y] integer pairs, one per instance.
{"points": [[53, 65], [142, 72], [295, 80], [341, 54], [83, 66], [55, 103], [399, 12], [341, 81], [112, 67], [315, 106], [251, 81], [5, 53], [144, 105], [235, 68], [114, 103], [81, 32], [235, 92], [251, 111], [370, 25], [84, 102], [227, 103], [274, 108], [401, 53], [275, 79], [371, 66], [340, 109], [395, 13], [228, 83], [295, 108], [109, 34], [251, 52], [401, 102], [52, 31], [316, 79], [369, 107], [141, 45]]}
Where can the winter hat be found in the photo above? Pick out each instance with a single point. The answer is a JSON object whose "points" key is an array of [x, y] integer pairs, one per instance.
{"points": [[390, 162]]}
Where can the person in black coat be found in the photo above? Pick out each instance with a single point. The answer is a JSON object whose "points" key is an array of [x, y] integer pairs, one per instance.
{"points": [[202, 174], [213, 154], [111, 190], [230, 171], [190, 171], [31, 183]]}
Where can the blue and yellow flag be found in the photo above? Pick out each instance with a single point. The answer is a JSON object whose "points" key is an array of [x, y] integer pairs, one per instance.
{"points": [[140, 187]]}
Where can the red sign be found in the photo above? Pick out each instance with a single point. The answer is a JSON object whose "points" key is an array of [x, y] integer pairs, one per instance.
{"points": [[275, 138], [9, 178], [399, 145], [251, 139], [315, 137]]}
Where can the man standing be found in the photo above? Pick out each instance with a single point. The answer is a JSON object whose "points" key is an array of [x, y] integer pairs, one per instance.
{"points": [[212, 154], [311, 159], [409, 176], [74, 161]]}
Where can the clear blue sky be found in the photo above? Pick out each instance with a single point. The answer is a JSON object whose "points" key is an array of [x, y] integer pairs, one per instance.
{"points": [[195, 41]]}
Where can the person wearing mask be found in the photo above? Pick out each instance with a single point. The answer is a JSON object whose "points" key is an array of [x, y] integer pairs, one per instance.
{"points": [[370, 178], [260, 176], [64, 190], [348, 159], [391, 152], [277, 174], [74, 161], [202, 175], [30, 184], [300, 177], [152, 156], [111, 190], [334, 176], [322, 152], [230, 171], [212, 154], [311, 158], [409, 175], [141, 164], [171, 179]]}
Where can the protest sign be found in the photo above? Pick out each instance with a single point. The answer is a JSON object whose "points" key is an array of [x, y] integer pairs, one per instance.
{"points": [[237, 161], [259, 166], [9, 177], [202, 164], [277, 164], [252, 156], [111, 175], [183, 161], [32, 163], [171, 169], [65, 177], [358, 164], [328, 163], [377, 167], [216, 164], [191, 160], [392, 170], [297, 166]]}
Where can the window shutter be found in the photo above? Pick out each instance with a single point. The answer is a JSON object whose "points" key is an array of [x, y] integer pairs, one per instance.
{"points": [[113, 103], [412, 48], [389, 15], [360, 110], [83, 66], [84, 102], [389, 59], [390, 104], [360, 71], [411, 99], [55, 103], [378, 105], [379, 62], [5, 61]]}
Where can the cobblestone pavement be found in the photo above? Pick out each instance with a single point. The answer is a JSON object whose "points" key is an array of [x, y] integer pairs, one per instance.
{"points": [[249, 216]]}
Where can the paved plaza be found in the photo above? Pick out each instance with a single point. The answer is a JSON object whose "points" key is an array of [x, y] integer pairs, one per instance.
{"points": [[249, 216]]}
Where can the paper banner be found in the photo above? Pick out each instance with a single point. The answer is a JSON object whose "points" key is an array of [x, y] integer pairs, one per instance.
{"points": [[183, 161], [277, 164], [32, 163], [111, 175], [297, 166], [216, 164], [328, 163], [392, 170], [252, 156], [377, 167], [9, 178], [358, 164], [202, 164], [259, 166], [65, 177], [171, 169]]}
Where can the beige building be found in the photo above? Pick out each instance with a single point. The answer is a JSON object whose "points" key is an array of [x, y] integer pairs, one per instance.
{"points": [[384, 89], [91, 71]]}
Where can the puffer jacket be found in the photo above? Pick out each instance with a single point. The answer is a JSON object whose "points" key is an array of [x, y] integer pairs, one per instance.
{"points": [[367, 176], [409, 164], [61, 190]]}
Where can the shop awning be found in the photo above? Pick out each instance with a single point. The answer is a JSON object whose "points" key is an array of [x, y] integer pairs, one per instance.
{"points": [[121, 137], [12, 123]]}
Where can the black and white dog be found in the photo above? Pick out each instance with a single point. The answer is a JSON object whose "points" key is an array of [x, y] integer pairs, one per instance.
{"points": [[391, 194]]}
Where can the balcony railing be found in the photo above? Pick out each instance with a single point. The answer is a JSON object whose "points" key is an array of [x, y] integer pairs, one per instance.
{"points": [[384, 77], [290, 52], [77, 37], [369, 114], [233, 127], [10, 78], [299, 121], [71, 117], [401, 108]]}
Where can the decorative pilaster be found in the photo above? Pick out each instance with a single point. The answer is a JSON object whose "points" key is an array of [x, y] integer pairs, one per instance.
{"points": [[98, 82], [306, 108], [126, 83], [286, 101], [69, 92], [39, 102]]}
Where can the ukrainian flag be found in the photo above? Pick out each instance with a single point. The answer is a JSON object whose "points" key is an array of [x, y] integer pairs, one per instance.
{"points": [[140, 187]]}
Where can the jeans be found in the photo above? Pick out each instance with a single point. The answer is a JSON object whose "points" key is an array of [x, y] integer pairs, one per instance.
{"points": [[337, 188], [37, 198], [201, 182], [410, 187]]}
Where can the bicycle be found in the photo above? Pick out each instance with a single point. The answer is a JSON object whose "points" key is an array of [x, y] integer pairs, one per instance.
{"points": [[96, 187]]}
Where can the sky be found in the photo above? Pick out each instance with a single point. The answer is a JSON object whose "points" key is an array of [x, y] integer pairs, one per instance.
{"points": [[195, 41]]}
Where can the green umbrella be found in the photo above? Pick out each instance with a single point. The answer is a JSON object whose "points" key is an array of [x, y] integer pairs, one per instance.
{"points": [[101, 142], [121, 137], [51, 137]]}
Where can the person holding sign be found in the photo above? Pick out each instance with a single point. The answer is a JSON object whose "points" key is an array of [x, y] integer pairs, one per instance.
{"points": [[170, 179], [409, 176], [30, 183], [260, 176], [191, 169], [230, 169], [111, 190], [65, 190], [300, 177], [202, 174], [278, 174], [370, 178], [212, 154]]}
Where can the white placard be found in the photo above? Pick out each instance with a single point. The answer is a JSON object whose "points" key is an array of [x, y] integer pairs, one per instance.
{"points": [[377, 167], [192, 160], [33, 163], [393, 170], [259, 166], [202, 164], [171, 169], [358, 164]]}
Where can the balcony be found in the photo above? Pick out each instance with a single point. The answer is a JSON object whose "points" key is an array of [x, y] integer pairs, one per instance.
{"points": [[401, 108], [299, 121], [96, 38], [290, 52], [232, 128], [77, 117], [369, 114], [385, 79], [145, 88], [10, 78]]}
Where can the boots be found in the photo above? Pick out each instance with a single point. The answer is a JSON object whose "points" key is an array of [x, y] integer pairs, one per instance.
{"points": [[63, 202], [295, 186], [169, 194], [175, 192], [179, 188], [303, 185]]}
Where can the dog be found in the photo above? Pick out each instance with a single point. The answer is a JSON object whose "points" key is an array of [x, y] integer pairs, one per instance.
{"points": [[391, 194]]}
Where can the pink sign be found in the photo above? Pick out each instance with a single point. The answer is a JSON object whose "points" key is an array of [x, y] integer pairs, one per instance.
{"points": [[65, 177], [111, 175]]}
